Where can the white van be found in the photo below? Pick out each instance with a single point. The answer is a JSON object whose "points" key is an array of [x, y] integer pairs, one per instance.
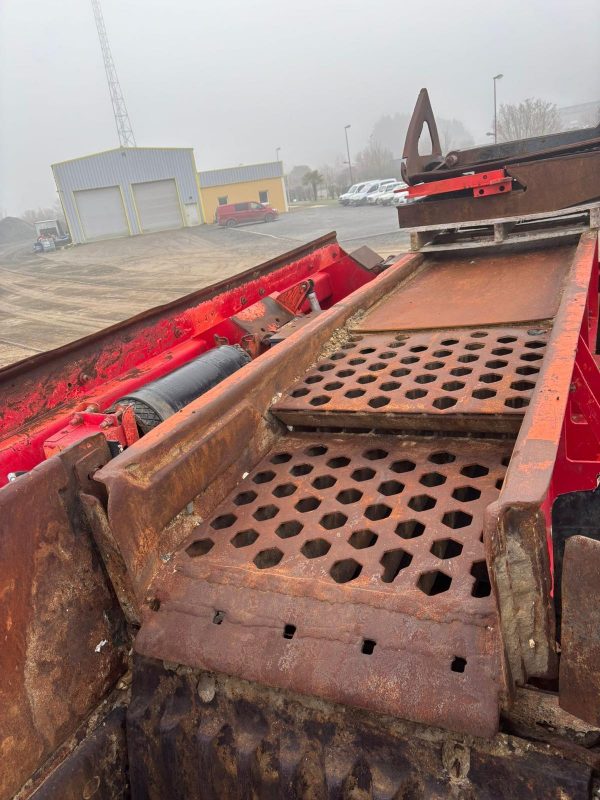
{"points": [[359, 198], [344, 199]]}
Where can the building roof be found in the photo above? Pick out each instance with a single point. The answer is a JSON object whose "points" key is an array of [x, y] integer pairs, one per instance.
{"points": [[115, 150], [242, 174]]}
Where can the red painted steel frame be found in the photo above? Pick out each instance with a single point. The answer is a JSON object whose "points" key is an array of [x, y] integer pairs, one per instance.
{"points": [[493, 180], [40, 402]]}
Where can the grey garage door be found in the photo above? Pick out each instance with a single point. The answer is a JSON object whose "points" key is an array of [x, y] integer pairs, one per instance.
{"points": [[157, 205], [101, 213]]}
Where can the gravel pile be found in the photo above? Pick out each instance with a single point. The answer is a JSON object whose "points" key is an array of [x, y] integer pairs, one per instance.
{"points": [[14, 230]]}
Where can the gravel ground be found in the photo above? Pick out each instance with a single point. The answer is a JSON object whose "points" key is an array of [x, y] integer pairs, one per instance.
{"points": [[51, 299]]}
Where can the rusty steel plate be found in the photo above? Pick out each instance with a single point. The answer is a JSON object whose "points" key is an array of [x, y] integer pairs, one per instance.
{"points": [[353, 570], [471, 379], [461, 291], [579, 691]]}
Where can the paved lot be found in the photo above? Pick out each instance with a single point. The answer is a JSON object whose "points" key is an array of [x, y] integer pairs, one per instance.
{"points": [[49, 300]]}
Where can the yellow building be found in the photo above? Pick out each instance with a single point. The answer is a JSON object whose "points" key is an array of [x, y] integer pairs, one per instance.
{"points": [[262, 183]]}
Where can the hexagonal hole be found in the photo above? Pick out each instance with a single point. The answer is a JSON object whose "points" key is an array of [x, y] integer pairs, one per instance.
{"points": [[467, 359], [393, 562], [415, 394], [483, 394], [460, 371], [338, 356], [456, 519], [482, 586], [378, 402], [302, 392], [324, 482], [315, 548], [375, 454], [357, 361], [243, 498], [496, 364], [441, 457], [422, 502], [389, 386], [409, 360], [366, 379], [352, 394], [377, 511], [386, 355], [402, 466], [280, 458], [479, 334], [377, 366], [527, 370], [338, 462], [433, 365], [265, 512], [506, 339], [315, 450], [516, 402], [418, 348], [399, 373], [363, 474], [244, 538], [443, 403], [432, 479], [200, 548], [501, 351], [535, 345], [453, 386], [284, 490], [301, 469], [531, 357], [490, 377], [333, 520], [410, 529], [362, 539], [441, 353], [345, 373], [307, 504], [313, 379], [366, 350], [522, 386], [333, 386], [264, 477], [347, 496], [434, 582], [288, 529], [474, 346], [325, 367], [474, 471], [466, 494], [425, 379], [449, 342], [224, 521], [268, 558], [345, 571], [389, 488], [320, 400], [446, 548]]}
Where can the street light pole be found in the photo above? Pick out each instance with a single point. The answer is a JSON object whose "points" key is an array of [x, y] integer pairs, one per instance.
{"points": [[348, 152], [277, 149], [496, 78]]}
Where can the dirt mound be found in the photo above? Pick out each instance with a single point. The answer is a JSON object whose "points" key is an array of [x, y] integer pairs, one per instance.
{"points": [[14, 230]]}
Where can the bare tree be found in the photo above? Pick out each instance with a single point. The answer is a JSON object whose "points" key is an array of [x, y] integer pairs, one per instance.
{"points": [[453, 135], [315, 179], [50, 212], [532, 117], [390, 131], [375, 161]]}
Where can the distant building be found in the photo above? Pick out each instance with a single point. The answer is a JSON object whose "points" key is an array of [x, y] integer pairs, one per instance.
{"points": [[127, 191], [133, 190], [263, 183], [584, 115]]}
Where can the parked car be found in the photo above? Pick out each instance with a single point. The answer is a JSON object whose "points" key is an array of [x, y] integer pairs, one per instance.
{"points": [[400, 197], [344, 199], [375, 198], [387, 195], [361, 197], [238, 213]]}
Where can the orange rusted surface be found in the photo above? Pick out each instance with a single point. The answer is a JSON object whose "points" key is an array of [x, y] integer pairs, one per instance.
{"points": [[460, 291]]}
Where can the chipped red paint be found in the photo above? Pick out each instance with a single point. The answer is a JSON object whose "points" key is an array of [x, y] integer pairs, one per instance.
{"points": [[42, 393]]}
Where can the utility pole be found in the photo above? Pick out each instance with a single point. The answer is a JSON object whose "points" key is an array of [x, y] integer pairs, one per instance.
{"points": [[124, 130], [496, 78], [348, 152]]}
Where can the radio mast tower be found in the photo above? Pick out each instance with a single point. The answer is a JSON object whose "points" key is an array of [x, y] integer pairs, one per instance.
{"points": [[124, 130]]}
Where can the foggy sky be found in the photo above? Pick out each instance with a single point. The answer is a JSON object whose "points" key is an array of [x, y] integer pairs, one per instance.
{"points": [[237, 78]]}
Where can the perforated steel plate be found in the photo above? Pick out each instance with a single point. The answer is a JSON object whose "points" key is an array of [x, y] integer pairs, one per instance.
{"points": [[353, 569], [467, 379]]}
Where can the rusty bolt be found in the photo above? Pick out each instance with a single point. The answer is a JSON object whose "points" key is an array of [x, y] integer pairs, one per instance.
{"points": [[206, 687]]}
